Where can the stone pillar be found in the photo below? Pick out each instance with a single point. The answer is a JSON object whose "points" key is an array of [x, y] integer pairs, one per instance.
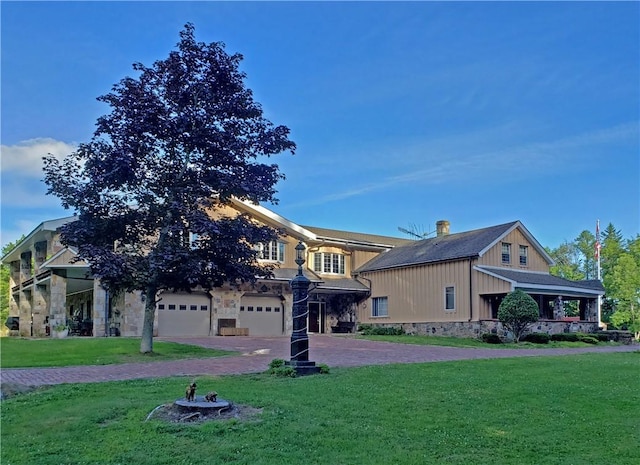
{"points": [[25, 266], [58, 300], [40, 310], [100, 310], [40, 255], [25, 310]]}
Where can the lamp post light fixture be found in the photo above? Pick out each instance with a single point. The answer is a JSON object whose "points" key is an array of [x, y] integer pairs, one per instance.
{"points": [[299, 337]]}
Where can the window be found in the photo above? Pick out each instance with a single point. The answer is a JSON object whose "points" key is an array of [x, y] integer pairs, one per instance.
{"points": [[506, 253], [160, 306], [272, 251], [328, 263], [172, 306], [379, 306], [524, 252], [449, 298], [193, 307], [204, 308], [183, 307]]}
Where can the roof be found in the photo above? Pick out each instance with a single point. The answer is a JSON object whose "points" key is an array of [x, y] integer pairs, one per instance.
{"points": [[340, 284], [356, 237], [449, 247], [532, 281], [36, 235]]}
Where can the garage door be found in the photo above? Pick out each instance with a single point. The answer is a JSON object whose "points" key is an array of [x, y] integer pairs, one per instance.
{"points": [[184, 315], [263, 315]]}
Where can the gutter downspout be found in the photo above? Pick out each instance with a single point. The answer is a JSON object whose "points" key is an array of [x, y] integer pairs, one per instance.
{"points": [[357, 276], [470, 291]]}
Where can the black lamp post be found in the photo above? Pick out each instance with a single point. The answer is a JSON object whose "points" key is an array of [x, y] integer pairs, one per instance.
{"points": [[299, 337]]}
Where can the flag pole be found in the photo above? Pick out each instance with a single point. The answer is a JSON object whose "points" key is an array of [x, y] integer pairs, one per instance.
{"points": [[597, 252]]}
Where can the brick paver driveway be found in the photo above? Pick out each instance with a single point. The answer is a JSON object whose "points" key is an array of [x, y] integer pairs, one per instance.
{"points": [[257, 352]]}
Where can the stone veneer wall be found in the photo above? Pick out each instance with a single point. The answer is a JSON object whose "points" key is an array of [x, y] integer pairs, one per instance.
{"points": [[226, 305], [476, 328]]}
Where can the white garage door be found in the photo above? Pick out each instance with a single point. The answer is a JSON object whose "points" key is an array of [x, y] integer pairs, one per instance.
{"points": [[184, 315], [263, 315]]}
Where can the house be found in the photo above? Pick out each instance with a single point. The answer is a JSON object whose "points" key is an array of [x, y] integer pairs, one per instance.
{"points": [[453, 283], [50, 286], [450, 284]]}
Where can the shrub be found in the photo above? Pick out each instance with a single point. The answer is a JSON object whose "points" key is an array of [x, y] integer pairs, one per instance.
{"points": [[517, 311], [602, 336], [537, 338], [569, 337], [371, 330], [324, 368], [491, 338], [588, 339], [278, 368], [276, 363]]}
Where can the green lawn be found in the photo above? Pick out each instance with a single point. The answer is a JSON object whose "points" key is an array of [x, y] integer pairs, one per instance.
{"points": [[579, 410], [467, 342], [19, 352]]}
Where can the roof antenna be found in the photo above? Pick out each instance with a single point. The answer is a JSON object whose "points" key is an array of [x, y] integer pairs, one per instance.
{"points": [[415, 232]]}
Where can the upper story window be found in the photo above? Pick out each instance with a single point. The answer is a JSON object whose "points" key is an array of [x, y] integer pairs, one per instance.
{"points": [[524, 253], [332, 263], [271, 251], [506, 253]]}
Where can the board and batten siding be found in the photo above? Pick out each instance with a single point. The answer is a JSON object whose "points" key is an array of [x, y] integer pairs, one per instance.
{"points": [[417, 294], [483, 284], [493, 257]]}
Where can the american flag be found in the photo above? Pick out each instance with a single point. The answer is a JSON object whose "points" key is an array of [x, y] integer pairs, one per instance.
{"points": [[597, 245]]}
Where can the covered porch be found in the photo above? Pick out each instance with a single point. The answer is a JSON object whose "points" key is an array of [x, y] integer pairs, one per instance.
{"points": [[559, 300]]}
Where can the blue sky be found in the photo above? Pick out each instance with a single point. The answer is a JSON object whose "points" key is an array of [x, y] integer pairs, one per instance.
{"points": [[403, 113]]}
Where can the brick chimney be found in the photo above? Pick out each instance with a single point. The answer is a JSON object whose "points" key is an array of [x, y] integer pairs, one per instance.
{"points": [[442, 228]]}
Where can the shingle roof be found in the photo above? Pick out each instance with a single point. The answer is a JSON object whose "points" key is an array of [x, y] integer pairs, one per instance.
{"points": [[340, 284], [372, 239], [450, 247], [541, 279]]}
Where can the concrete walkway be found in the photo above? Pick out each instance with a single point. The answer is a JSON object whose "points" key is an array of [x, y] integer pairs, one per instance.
{"points": [[257, 352]]}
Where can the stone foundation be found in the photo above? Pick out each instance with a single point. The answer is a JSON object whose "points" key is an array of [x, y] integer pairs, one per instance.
{"points": [[476, 328]]}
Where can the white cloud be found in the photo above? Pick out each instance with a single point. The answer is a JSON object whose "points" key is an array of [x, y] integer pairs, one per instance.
{"points": [[25, 158]]}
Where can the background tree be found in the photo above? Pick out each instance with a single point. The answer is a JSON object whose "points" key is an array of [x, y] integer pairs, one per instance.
{"points": [[5, 291], [517, 312], [567, 261], [585, 244], [181, 139]]}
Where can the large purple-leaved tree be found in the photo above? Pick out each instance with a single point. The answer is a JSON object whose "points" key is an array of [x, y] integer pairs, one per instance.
{"points": [[182, 139]]}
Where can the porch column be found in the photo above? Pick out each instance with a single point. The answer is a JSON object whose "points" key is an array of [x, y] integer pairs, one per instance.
{"points": [[58, 300]]}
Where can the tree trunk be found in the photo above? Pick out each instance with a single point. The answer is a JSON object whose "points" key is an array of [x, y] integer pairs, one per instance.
{"points": [[146, 343]]}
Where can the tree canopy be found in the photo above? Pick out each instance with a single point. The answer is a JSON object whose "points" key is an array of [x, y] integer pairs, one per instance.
{"points": [[620, 272], [182, 138]]}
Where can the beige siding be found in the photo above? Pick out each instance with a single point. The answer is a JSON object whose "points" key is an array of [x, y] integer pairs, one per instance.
{"points": [[493, 257], [360, 257], [417, 294], [484, 284]]}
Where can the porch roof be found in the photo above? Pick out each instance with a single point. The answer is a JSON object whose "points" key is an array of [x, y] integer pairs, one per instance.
{"points": [[537, 282], [329, 285]]}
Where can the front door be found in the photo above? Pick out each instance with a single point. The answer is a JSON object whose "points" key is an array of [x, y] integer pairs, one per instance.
{"points": [[316, 317]]}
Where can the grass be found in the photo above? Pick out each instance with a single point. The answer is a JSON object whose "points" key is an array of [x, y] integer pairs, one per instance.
{"points": [[579, 410], [20, 352], [467, 342]]}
